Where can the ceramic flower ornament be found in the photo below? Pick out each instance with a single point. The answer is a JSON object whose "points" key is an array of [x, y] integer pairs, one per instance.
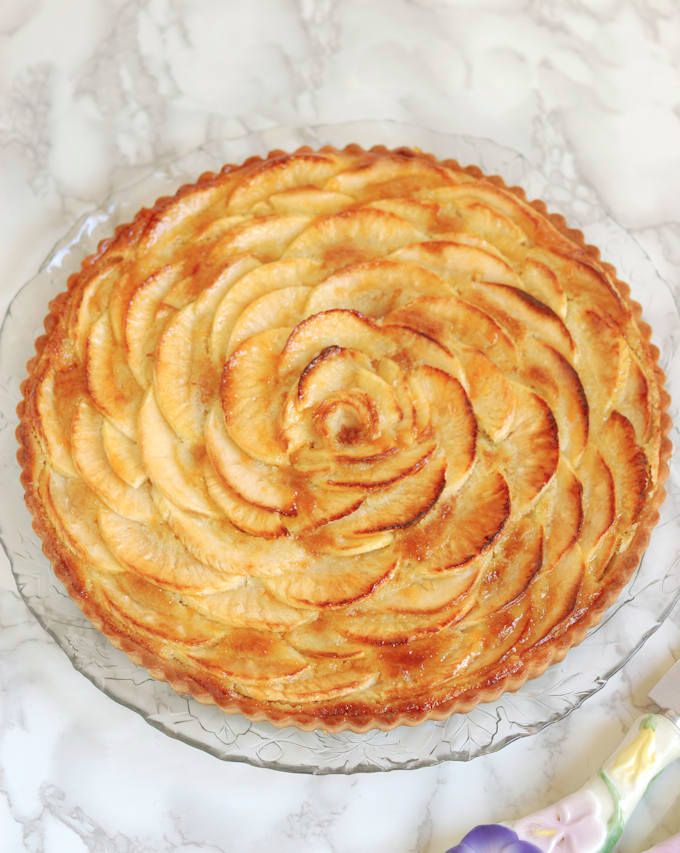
{"points": [[493, 838]]}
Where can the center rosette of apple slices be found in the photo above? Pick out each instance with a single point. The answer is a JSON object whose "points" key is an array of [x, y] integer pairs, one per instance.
{"points": [[337, 433]]}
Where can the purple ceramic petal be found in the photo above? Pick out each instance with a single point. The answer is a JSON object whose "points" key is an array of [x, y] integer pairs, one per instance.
{"points": [[493, 838]]}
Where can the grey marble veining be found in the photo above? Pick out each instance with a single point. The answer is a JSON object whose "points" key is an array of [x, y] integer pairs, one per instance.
{"points": [[91, 90]]}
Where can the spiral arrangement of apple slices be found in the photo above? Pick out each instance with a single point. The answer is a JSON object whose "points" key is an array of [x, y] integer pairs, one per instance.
{"points": [[344, 437]]}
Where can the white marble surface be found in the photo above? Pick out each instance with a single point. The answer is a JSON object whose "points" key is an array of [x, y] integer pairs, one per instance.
{"points": [[89, 88]]}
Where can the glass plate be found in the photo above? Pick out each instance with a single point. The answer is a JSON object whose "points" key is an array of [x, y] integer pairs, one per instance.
{"points": [[642, 607]]}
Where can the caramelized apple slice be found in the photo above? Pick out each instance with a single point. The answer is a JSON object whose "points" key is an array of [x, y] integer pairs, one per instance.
{"points": [[383, 472], [51, 426], [521, 314], [243, 515], [553, 377], [112, 386], [421, 215], [334, 328], [452, 419], [90, 460], [491, 394], [257, 483], [453, 321], [259, 282], [398, 505], [281, 308], [635, 402], [248, 606], [384, 629], [328, 680], [542, 283], [124, 456], [330, 582], [530, 453], [388, 175], [628, 465], [413, 347], [75, 508], [160, 612], [249, 655], [319, 639], [566, 519], [318, 505], [153, 552], [172, 467], [477, 514], [220, 545], [290, 172], [599, 496], [309, 201], [374, 288], [249, 402], [265, 237], [495, 227], [91, 301], [352, 236], [603, 358], [143, 324], [457, 262], [405, 594]]}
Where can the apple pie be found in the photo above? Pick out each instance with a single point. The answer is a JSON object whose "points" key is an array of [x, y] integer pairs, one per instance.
{"points": [[344, 438]]}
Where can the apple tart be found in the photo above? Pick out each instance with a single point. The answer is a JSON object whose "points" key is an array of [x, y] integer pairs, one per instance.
{"points": [[344, 438]]}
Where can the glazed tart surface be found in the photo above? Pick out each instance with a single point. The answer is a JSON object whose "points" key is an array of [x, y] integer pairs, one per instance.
{"points": [[345, 438]]}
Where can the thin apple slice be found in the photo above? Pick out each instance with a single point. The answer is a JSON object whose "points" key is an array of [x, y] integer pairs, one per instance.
{"points": [[462, 527], [220, 545], [389, 175], [550, 374], [374, 288], [91, 300], [266, 279], [515, 564], [143, 323], [172, 467], [145, 605], [124, 455], [498, 229], [398, 505], [554, 596], [319, 639], [602, 359], [257, 483], [492, 395], [249, 655], [530, 453], [153, 552], [628, 465], [542, 283], [421, 215], [309, 201], [74, 506], [249, 401], [566, 520], [318, 505], [521, 314], [352, 236], [413, 348], [53, 430], [278, 309], [584, 282], [452, 322], [276, 175], [326, 681], [333, 582], [335, 328], [248, 606], [265, 237], [90, 459], [404, 594], [634, 400], [247, 517], [386, 629], [383, 472], [599, 496], [113, 388], [453, 421], [457, 262]]}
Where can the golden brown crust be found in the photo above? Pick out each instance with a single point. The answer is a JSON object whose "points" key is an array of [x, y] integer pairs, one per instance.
{"points": [[506, 674]]}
